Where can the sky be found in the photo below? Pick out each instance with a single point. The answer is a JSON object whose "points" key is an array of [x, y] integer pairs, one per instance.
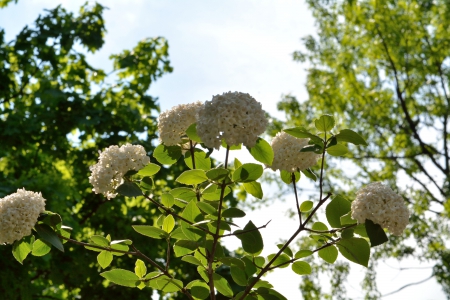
{"points": [[216, 47]]}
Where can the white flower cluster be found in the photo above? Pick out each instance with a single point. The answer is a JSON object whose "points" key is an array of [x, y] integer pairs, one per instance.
{"points": [[172, 124], [234, 117], [287, 155], [112, 164], [382, 206], [18, 214]]}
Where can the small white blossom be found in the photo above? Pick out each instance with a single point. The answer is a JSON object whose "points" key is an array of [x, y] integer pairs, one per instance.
{"points": [[382, 206], [112, 165], [234, 117], [287, 155], [18, 214], [172, 124]]}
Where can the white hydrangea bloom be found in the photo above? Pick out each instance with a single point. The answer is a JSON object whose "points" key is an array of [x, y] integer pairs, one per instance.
{"points": [[235, 117], [172, 124], [287, 155], [112, 164], [382, 206], [18, 214]]}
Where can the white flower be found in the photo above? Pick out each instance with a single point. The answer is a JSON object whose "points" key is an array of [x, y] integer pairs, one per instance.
{"points": [[382, 206], [18, 214], [234, 117], [172, 124], [112, 164], [287, 155]]}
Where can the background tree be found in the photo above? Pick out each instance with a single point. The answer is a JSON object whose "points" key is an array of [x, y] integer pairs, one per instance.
{"points": [[56, 112], [382, 68]]}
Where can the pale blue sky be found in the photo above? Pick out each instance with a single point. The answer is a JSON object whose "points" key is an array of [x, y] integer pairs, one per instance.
{"points": [[215, 47]]}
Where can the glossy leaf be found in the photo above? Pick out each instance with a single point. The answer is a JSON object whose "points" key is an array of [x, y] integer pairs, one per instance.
{"points": [[328, 254], [356, 250], [121, 277], [150, 231], [167, 155], [104, 259], [376, 233], [262, 152], [301, 268], [350, 136], [254, 189], [47, 234], [192, 177], [149, 170], [248, 172], [337, 208]]}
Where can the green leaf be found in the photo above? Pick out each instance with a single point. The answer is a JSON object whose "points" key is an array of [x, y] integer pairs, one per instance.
{"points": [[125, 242], [181, 248], [192, 213], [237, 163], [349, 136], [269, 294], [199, 289], [254, 189], [150, 231], [120, 247], [183, 193], [203, 274], [149, 170], [325, 123], [347, 219], [191, 132], [233, 212], [121, 277], [287, 250], [300, 132], [167, 200], [22, 248], [48, 235], [319, 226], [337, 208], [337, 150], [217, 174], [252, 241], [376, 233], [167, 155], [356, 250], [192, 260], [347, 233], [328, 254], [129, 189], [262, 152], [215, 195], [104, 259], [140, 269], [301, 268], [207, 208], [286, 176], [192, 177], [310, 174], [281, 261], [40, 248], [303, 253], [248, 172], [306, 206], [166, 284], [146, 183], [238, 275], [100, 240], [222, 285], [201, 160], [168, 224]]}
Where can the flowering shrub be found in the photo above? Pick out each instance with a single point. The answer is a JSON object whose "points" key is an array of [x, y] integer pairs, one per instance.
{"points": [[194, 216]]}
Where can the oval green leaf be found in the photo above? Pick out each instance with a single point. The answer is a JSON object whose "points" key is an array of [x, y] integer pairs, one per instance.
{"points": [[168, 224], [48, 235], [306, 206], [337, 208], [248, 172], [40, 248], [149, 170], [337, 150], [262, 152], [251, 240], [356, 250], [121, 277], [192, 177], [349, 136], [233, 212], [129, 189], [150, 231], [325, 123], [301, 268], [167, 155], [254, 189], [202, 161], [329, 254], [222, 285], [104, 259]]}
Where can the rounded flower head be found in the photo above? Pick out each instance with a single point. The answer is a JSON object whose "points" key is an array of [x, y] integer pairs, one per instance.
{"points": [[172, 124], [112, 164], [382, 206], [235, 117], [287, 155], [18, 214]]}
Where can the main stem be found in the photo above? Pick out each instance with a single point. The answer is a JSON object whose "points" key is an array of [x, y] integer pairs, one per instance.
{"points": [[216, 235]]}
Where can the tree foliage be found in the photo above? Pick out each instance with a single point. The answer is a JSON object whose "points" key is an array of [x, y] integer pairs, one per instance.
{"points": [[382, 68], [56, 112]]}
